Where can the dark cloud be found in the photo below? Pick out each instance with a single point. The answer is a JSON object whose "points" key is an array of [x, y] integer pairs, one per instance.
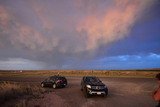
{"points": [[59, 32]]}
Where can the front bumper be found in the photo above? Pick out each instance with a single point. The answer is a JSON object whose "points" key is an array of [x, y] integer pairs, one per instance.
{"points": [[97, 92]]}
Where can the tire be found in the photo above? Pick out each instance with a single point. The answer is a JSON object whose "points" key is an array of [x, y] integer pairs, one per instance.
{"points": [[81, 89], [106, 94], [42, 85], [86, 94], [54, 86]]}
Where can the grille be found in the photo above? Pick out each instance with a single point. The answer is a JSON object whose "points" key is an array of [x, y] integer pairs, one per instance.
{"points": [[97, 87]]}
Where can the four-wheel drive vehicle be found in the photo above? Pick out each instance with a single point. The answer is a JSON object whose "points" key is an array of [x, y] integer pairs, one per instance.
{"points": [[54, 81], [91, 85]]}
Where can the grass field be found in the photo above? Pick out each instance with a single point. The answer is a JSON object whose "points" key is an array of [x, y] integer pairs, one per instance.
{"points": [[20, 93], [100, 73], [13, 90]]}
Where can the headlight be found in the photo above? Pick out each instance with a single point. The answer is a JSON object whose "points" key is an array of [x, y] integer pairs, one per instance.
{"points": [[88, 86]]}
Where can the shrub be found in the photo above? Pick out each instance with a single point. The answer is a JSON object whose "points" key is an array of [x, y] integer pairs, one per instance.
{"points": [[9, 90]]}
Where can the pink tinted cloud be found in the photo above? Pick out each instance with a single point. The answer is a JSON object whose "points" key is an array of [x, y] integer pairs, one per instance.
{"points": [[90, 30], [4, 17], [42, 12], [21, 35], [115, 24]]}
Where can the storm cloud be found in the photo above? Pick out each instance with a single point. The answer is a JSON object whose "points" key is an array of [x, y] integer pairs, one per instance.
{"points": [[56, 32]]}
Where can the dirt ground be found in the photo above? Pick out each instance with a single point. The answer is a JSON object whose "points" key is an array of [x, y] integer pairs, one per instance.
{"points": [[123, 92]]}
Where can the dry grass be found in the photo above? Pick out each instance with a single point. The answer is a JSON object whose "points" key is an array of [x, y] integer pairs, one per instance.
{"points": [[9, 91], [100, 73]]}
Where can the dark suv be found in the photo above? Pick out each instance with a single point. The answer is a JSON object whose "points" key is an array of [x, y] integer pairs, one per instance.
{"points": [[54, 81], [91, 85]]}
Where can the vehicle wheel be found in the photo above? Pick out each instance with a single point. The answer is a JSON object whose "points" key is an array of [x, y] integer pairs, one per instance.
{"points": [[42, 85], [86, 93], [106, 93], [54, 86], [81, 89]]}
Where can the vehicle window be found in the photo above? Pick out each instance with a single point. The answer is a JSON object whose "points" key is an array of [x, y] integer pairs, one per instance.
{"points": [[61, 78], [52, 78], [47, 79], [57, 78], [92, 79]]}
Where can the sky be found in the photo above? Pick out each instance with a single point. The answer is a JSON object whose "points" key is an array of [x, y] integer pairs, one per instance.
{"points": [[79, 34]]}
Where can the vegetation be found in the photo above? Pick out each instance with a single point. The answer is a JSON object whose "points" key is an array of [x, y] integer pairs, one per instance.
{"points": [[18, 90], [100, 73], [12, 90]]}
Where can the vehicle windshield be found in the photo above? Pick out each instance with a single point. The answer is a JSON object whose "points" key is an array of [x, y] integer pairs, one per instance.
{"points": [[60, 78], [92, 79], [57, 78]]}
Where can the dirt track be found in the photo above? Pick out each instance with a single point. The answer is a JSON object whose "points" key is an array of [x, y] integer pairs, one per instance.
{"points": [[123, 92]]}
